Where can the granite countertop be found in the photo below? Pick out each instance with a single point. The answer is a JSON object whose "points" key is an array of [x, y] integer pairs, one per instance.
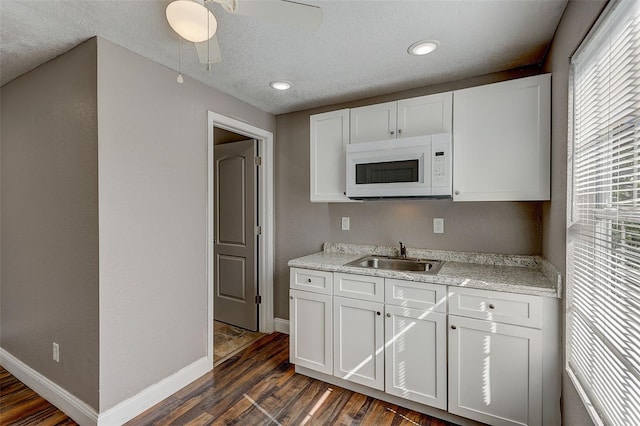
{"points": [[515, 274]]}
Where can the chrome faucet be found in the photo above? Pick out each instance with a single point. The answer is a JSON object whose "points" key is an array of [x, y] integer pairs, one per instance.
{"points": [[403, 250]]}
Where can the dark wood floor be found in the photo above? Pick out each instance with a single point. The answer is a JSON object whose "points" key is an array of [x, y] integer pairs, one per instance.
{"points": [[19, 405], [255, 387], [259, 387]]}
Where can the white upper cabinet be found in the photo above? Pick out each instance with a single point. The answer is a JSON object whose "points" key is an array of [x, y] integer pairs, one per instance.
{"points": [[424, 115], [328, 139], [501, 141], [374, 122]]}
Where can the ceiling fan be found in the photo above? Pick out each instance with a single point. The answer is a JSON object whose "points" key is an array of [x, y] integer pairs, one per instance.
{"points": [[193, 20]]}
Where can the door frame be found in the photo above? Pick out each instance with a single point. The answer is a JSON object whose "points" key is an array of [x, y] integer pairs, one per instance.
{"points": [[265, 219]]}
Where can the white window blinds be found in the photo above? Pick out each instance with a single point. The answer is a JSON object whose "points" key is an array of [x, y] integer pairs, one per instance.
{"points": [[603, 238]]}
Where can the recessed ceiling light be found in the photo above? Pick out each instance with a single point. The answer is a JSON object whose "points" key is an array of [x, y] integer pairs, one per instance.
{"points": [[423, 47], [281, 85]]}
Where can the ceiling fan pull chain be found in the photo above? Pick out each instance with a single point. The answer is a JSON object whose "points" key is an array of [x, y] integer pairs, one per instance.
{"points": [[208, 41], [180, 79]]}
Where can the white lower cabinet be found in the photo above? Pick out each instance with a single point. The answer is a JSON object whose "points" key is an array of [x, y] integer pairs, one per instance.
{"points": [[310, 343], [495, 372], [480, 354], [416, 355], [358, 334]]}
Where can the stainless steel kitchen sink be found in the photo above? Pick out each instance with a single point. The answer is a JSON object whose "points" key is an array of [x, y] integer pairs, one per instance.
{"points": [[422, 266]]}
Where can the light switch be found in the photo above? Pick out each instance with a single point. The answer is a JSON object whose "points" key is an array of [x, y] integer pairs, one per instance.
{"points": [[345, 224]]}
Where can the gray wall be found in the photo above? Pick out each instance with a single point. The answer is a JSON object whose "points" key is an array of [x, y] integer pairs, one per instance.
{"points": [[153, 192], [50, 220], [302, 226], [576, 22]]}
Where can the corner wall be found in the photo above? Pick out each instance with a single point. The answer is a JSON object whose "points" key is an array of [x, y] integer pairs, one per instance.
{"points": [[153, 195], [578, 18], [49, 214], [302, 226]]}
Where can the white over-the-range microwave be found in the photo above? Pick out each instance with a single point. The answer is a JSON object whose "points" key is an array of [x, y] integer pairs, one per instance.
{"points": [[413, 167]]}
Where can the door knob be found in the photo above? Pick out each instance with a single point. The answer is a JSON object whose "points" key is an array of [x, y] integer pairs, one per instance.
{"points": [[308, 280], [388, 315], [492, 306], [378, 313], [453, 327], [391, 132]]}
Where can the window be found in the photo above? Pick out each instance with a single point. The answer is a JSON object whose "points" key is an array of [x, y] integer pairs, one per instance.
{"points": [[603, 235]]}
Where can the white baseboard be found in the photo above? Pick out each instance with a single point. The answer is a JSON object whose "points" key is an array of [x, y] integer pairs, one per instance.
{"points": [[281, 325], [152, 395], [61, 398], [82, 413]]}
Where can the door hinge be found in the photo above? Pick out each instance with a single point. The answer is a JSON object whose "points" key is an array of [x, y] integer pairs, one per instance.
{"points": [[258, 299], [258, 230], [258, 161]]}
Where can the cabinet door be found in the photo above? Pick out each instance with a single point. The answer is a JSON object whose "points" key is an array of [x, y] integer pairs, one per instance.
{"points": [[425, 115], [310, 342], [416, 355], [495, 372], [328, 139], [358, 333], [373, 122], [501, 141]]}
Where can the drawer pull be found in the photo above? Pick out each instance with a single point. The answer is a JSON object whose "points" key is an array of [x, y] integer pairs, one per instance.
{"points": [[492, 306], [388, 315], [453, 327], [308, 280], [291, 297], [378, 313]]}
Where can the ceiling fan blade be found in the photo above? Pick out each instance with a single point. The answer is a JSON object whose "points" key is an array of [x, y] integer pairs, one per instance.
{"points": [[283, 12], [209, 51]]}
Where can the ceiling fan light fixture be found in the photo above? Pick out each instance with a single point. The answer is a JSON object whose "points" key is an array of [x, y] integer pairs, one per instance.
{"points": [[423, 47], [280, 85], [191, 20]]}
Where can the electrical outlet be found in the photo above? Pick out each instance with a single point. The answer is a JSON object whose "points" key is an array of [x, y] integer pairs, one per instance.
{"points": [[345, 223], [438, 225], [56, 352]]}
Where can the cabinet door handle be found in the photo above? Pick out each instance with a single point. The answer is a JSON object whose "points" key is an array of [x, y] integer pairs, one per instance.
{"points": [[308, 280], [456, 192], [388, 315], [392, 132], [291, 297], [453, 327], [492, 306], [399, 131], [378, 313]]}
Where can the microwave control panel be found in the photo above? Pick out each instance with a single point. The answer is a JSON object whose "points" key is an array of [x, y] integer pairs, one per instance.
{"points": [[440, 160]]}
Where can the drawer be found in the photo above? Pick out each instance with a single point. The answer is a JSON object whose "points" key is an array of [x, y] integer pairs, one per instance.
{"points": [[311, 280], [361, 287], [508, 308], [411, 294]]}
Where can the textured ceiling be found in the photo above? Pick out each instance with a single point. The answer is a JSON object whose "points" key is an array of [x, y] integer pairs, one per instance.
{"points": [[360, 49]]}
